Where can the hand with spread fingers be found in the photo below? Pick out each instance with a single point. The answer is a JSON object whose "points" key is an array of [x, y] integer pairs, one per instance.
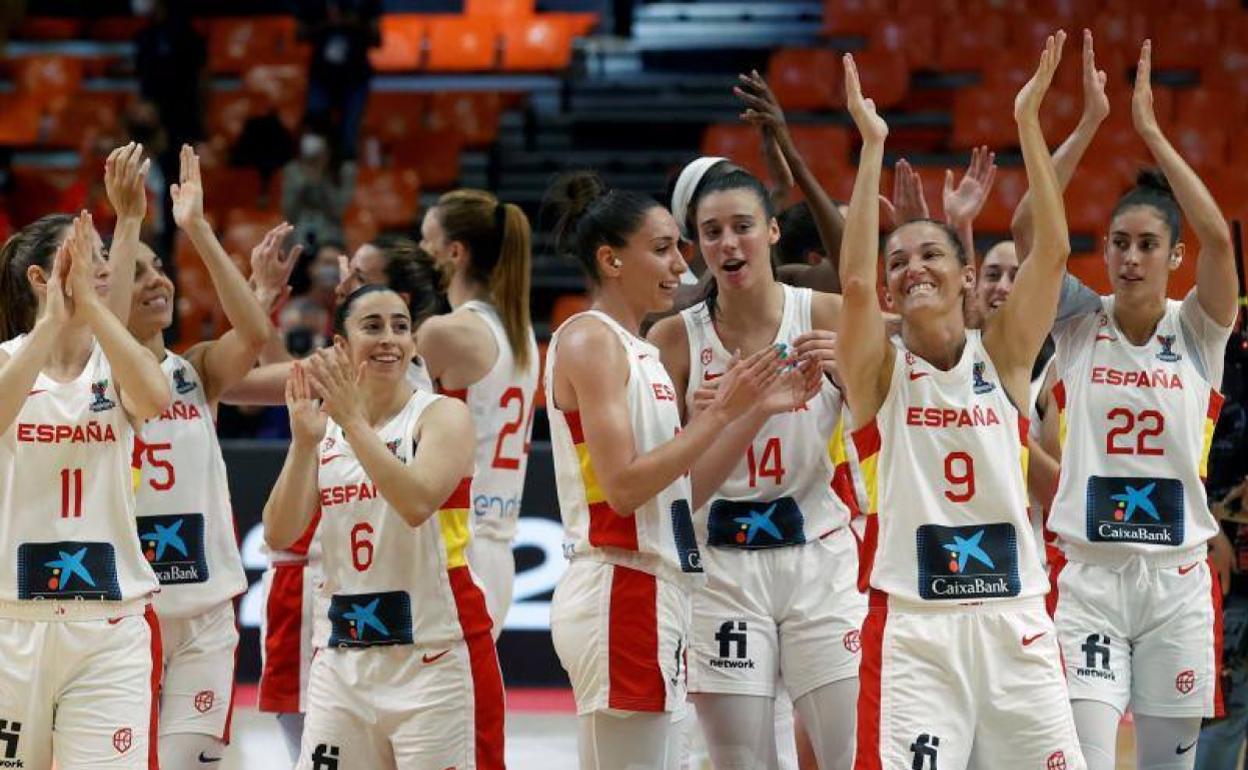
{"points": [[964, 202], [819, 346], [337, 383], [762, 109], [307, 420], [271, 266], [125, 180], [746, 380], [908, 202], [798, 382]]}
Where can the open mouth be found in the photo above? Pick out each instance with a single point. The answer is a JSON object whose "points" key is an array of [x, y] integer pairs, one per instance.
{"points": [[733, 265], [158, 302], [669, 285], [921, 289]]}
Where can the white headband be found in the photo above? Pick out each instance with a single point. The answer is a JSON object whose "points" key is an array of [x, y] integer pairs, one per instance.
{"points": [[686, 183]]}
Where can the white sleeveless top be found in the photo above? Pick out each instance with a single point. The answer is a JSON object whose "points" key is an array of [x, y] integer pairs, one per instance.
{"points": [[1135, 426], [384, 581], [783, 486], [946, 466], [658, 537], [186, 522], [502, 405], [67, 534]]}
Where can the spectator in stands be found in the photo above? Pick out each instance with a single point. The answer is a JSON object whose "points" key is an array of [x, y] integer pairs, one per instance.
{"points": [[323, 274], [302, 324], [340, 32], [316, 192], [264, 144]]}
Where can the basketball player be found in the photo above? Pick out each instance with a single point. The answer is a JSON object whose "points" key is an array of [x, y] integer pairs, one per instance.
{"points": [[620, 614], [406, 675], [948, 553], [79, 641], [1137, 604], [751, 614], [484, 353], [186, 524]]}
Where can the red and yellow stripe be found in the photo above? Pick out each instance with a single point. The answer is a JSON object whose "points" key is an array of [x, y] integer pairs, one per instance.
{"points": [[1059, 398], [453, 523], [867, 443], [842, 474], [607, 528], [1211, 421]]}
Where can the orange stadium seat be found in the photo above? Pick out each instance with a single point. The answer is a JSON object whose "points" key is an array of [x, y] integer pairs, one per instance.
{"points": [[537, 43], [19, 119], [824, 148], [244, 228], [391, 115], [1122, 32], [1229, 70], [807, 78], [1007, 191], [1204, 147], [359, 227], [983, 116], [566, 306], [1090, 201], [912, 37], [1230, 190], [229, 187], [87, 115], [581, 23], [1207, 106], [968, 44], [235, 44], [474, 115], [509, 10], [434, 155], [740, 143], [462, 44], [48, 79], [402, 40], [885, 77], [47, 28], [852, 17], [1183, 39], [279, 85], [391, 195]]}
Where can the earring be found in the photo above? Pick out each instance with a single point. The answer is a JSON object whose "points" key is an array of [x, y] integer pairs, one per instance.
{"points": [[615, 262]]}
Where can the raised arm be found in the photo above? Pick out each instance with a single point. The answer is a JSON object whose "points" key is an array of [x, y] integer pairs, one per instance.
{"points": [[293, 500], [865, 353], [1068, 155], [1015, 334], [271, 266], [19, 372], [221, 362], [1215, 272], [125, 180], [964, 202], [763, 110], [143, 387]]}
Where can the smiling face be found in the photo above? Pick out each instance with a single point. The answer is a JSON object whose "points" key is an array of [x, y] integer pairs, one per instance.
{"points": [[378, 331], [151, 305], [996, 278], [735, 236], [922, 270], [1138, 254], [650, 262]]}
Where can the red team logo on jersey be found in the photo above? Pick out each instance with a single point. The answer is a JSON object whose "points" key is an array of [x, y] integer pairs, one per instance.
{"points": [[852, 640], [1185, 682], [1056, 761], [204, 700], [706, 356], [122, 739]]}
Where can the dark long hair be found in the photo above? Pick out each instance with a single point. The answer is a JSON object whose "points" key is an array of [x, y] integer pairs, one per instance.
{"points": [[35, 244]]}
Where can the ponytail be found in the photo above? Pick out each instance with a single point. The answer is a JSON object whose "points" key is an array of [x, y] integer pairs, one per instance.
{"points": [[498, 239], [35, 244]]}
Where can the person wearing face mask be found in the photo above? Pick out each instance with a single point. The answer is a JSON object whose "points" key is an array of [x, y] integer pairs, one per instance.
{"points": [[948, 552], [1135, 600], [629, 476], [180, 470], [316, 192], [405, 673]]}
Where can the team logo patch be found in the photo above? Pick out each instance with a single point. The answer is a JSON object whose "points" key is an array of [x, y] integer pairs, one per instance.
{"points": [[10, 737], [1096, 652], [686, 540], [325, 757], [924, 751], [180, 383], [67, 570], [204, 700], [705, 356], [967, 563], [370, 620], [123, 739], [1167, 353], [852, 640], [1056, 761], [1185, 682], [734, 646], [393, 446], [174, 546], [755, 524], [100, 402], [979, 384], [1135, 509]]}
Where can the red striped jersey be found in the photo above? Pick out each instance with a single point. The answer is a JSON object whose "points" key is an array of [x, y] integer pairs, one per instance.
{"points": [[795, 455], [376, 566], [1136, 423], [945, 465], [502, 405], [186, 522], [67, 527], [657, 537]]}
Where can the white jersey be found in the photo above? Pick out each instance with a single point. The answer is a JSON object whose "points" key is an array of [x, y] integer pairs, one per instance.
{"points": [[946, 466], [68, 529], [386, 582], [501, 404], [1135, 426], [787, 472], [657, 537], [418, 376], [186, 522]]}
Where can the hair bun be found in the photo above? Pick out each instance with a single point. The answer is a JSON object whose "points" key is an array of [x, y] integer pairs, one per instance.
{"points": [[569, 197], [1153, 179]]}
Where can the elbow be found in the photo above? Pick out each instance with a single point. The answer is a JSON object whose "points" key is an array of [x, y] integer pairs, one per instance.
{"points": [[153, 400], [415, 514]]}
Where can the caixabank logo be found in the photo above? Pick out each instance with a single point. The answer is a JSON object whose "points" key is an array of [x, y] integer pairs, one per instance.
{"points": [[1135, 509], [370, 620], [967, 563], [174, 546], [755, 523], [67, 570]]}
